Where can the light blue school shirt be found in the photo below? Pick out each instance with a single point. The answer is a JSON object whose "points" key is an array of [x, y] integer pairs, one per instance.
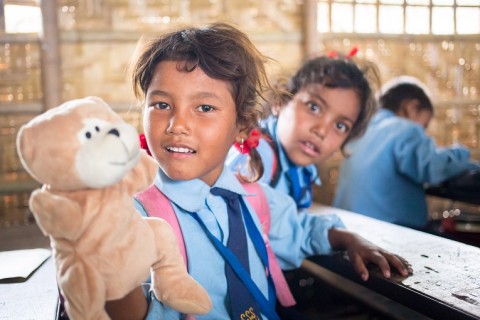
{"points": [[237, 162], [292, 237], [385, 175]]}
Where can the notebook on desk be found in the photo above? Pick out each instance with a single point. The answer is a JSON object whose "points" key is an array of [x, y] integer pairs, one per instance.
{"points": [[19, 265]]}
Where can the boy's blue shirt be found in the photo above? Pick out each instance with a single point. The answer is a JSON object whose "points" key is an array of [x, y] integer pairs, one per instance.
{"points": [[385, 174], [292, 236]]}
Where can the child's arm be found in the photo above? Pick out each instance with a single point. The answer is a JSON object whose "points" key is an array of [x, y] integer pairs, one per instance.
{"points": [[294, 236], [361, 251], [56, 215], [132, 306], [421, 160]]}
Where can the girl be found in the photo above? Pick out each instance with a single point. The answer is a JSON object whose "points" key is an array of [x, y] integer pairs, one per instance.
{"points": [[325, 104], [199, 87]]}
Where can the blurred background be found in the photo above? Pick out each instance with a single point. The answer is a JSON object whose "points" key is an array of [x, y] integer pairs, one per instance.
{"points": [[52, 51]]}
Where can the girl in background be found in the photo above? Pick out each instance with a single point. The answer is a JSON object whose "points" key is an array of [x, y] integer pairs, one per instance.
{"points": [[325, 104]]}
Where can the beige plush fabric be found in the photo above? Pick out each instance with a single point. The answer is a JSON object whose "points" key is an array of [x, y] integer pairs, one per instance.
{"points": [[90, 164]]}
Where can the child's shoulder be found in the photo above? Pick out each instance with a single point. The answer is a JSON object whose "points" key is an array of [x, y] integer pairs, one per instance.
{"points": [[275, 198]]}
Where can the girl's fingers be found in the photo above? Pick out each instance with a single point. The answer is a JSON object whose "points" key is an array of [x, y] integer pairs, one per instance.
{"points": [[381, 261], [400, 264], [360, 267]]}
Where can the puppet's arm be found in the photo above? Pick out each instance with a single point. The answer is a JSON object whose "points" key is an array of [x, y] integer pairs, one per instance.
{"points": [[56, 215]]}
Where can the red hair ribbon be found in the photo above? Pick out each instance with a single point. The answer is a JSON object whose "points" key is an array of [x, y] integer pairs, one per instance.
{"points": [[351, 54], [143, 143], [250, 143], [332, 54]]}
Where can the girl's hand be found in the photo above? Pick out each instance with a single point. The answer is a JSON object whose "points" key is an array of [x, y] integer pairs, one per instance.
{"points": [[132, 306], [361, 252]]}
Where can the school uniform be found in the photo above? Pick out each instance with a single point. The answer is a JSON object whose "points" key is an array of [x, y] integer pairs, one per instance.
{"points": [[273, 159], [385, 174], [294, 181], [292, 237]]}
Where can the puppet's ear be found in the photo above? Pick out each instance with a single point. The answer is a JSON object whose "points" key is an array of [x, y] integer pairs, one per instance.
{"points": [[25, 149]]}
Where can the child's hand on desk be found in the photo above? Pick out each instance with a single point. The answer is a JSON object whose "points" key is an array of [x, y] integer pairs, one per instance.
{"points": [[362, 252]]}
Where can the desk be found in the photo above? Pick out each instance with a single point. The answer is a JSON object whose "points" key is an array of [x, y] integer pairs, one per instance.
{"points": [[443, 191], [464, 187], [35, 298], [446, 279], [445, 283]]}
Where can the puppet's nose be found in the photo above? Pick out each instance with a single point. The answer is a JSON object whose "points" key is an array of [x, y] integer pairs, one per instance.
{"points": [[114, 132]]}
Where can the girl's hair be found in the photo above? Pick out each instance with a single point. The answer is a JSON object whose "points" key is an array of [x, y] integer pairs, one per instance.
{"points": [[223, 52], [334, 72], [394, 97]]}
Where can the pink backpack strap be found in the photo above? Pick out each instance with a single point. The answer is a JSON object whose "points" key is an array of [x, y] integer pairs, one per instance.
{"points": [[259, 203], [156, 204]]}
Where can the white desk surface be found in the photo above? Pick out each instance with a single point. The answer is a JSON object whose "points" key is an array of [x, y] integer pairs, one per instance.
{"points": [[446, 270], [35, 299]]}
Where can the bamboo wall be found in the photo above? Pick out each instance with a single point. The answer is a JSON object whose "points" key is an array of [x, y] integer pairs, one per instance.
{"points": [[97, 38]]}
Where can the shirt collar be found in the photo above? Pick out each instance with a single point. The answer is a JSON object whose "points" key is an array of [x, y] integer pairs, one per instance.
{"points": [[381, 114], [195, 199], [270, 125]]}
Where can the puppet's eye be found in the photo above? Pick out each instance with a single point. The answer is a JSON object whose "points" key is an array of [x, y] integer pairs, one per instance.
{"points": [[91, 128]]}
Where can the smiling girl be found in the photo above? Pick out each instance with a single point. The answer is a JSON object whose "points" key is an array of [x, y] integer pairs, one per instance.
{"points": [[199, 90]]}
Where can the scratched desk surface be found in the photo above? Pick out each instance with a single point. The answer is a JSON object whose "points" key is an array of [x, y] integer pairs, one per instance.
{"points": [[444, 270], [36, 298]]}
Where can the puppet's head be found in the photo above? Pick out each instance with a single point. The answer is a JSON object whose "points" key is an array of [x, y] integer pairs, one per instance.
{"points": [[86, 143]]}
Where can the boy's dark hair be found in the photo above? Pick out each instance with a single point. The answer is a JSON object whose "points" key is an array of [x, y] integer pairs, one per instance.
{"points": [[394, 97], [335, 72], [223, 52]]}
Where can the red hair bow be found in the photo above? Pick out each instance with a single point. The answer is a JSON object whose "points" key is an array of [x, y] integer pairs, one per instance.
{"points": [[351, 54], [143, 143], [250, 143]]}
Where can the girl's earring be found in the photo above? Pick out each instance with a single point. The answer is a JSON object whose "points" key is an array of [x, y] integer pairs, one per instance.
{"points": [[242, 145], [276, 110]]}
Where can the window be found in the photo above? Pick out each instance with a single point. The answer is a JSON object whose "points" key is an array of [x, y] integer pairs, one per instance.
{"points": [[437, 17], [22, 17]]}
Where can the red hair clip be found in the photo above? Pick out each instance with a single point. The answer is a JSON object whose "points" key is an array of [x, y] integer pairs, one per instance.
{"points": [[250, 143], [351, 54], [143, 143], [332, 54]]}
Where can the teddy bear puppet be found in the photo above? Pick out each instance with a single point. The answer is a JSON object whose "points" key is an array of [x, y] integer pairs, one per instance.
{"points": [[90, 165]]}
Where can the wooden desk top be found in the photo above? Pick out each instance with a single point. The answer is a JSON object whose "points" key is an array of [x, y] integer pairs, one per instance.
{"points": [[446, 272], [35, 298]]}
